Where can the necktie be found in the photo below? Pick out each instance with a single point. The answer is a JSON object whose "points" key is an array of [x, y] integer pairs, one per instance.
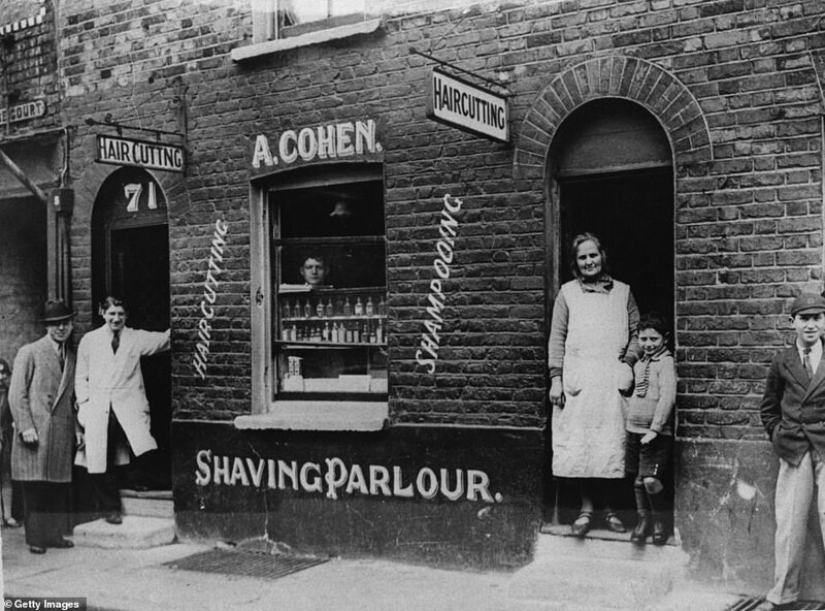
{"points": [[61, 354], [806, 362], [643, 384], [115, 341]]}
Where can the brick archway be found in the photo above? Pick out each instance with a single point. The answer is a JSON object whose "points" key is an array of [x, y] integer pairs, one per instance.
{"points": [[89, 183], [86, 188], [638, 80]]}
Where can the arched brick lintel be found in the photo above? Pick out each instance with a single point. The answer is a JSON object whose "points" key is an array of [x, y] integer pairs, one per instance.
{"points": [[630, 78], [87, 186]]}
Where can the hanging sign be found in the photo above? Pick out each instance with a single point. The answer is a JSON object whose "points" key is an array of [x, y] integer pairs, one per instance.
{"points": [[456, 102], [23, 112], [140, 153]]}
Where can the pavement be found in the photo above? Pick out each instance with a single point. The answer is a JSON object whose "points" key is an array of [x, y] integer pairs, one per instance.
{"points": [[139, 580]]}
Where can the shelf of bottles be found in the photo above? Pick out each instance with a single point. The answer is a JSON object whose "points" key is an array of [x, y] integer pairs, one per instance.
{"points": [[330, 317]]}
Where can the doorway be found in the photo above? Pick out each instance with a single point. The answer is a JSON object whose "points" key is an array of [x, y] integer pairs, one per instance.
{"points": [[611, 174], [130, 260]]}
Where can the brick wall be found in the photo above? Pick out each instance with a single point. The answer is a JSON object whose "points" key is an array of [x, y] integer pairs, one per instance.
{"points": [[28, 61], [28, 72], [748, 209]]}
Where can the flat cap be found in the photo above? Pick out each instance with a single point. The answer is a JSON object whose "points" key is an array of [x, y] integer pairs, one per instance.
{"points": [[808, 303]]}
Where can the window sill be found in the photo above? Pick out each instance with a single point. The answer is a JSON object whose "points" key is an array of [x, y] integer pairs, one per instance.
{"points": [[304, 40], [319, 416]]}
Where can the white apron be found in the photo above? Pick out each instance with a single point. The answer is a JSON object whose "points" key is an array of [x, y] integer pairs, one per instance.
{"points": [[589, 431]]}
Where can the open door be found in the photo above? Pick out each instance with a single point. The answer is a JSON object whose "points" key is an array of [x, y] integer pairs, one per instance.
{"points": [[611, 174], [131, 261]]}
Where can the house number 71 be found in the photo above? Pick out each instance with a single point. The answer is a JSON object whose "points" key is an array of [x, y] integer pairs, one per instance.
{"points": [[133, 191]]}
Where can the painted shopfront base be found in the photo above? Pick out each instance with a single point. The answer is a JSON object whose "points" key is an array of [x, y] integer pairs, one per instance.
{"points": [[444, 495], [725, 514]]}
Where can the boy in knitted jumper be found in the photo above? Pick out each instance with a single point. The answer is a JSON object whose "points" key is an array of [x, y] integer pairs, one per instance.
{"points": [[650, 427]]}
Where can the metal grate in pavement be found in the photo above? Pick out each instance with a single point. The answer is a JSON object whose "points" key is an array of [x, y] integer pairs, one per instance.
{"points": [[749, 604], [245, 563]]}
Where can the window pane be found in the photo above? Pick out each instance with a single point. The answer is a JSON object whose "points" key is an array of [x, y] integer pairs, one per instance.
{"points": [[329, 267], [297, 12]]}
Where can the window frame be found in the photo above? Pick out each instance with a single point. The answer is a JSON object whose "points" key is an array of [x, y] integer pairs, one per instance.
{"points": [[266, 38], [307, 411]]}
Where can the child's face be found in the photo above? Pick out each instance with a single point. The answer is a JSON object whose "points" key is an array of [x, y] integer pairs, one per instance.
{"points": [[809, 327], [589, 260], [651, 341]]}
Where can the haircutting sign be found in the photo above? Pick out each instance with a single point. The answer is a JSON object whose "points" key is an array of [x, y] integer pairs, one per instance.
{"points": [[139, 153], [456, 102]]}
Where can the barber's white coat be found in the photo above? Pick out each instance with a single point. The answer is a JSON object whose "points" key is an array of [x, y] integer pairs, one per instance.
{"points": [[105, 380]]}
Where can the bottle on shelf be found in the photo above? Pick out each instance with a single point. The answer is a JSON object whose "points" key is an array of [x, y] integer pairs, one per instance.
{"points": [[339, 307], [382, 307], [307, 310], [296, 309], [359, 307], [329, 310], [319, 309], [286, 311], [379, 332], [370, 308], [347, 307], [325, 334], [293, 334]]}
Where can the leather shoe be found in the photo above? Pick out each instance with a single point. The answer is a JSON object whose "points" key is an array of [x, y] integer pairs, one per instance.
{"points": [[614, 523], [34, 549], [641, 531], [62, 544], [114, 518], [660, 535], [582, 524]]}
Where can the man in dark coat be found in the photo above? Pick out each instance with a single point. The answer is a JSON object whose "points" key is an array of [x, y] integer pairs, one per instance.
{"points": [[793, 414], [41, 397]]}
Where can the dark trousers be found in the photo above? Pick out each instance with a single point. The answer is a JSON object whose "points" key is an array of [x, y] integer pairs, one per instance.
{"points": [[106, 484], [46, 512]]}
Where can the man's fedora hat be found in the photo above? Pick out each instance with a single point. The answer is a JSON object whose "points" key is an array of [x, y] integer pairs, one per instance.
{"points": [[808, 303], [56, 311]]}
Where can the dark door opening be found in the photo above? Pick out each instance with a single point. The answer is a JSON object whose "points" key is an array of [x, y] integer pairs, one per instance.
{"points": [[632, 213], [139, 274], [130, 260]]}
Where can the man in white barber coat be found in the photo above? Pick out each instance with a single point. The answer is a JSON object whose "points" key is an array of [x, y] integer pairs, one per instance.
{"points": [[112, 405]]}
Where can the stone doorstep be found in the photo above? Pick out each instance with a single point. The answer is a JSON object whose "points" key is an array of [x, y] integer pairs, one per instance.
{"points": [[147, 504], [136, 532], [572, 574]]}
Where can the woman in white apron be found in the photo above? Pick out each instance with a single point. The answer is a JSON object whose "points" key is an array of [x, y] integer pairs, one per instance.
{"points": [[592, 350]]}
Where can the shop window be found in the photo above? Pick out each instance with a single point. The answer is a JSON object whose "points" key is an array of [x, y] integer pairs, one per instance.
{"points": [[286, 24], [328, 274]]}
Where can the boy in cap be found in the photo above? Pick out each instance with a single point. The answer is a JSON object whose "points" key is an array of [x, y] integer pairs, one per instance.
{"points": [[793, 412]]}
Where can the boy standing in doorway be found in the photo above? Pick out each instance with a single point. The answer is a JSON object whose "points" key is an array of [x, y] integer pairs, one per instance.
{"points": [[793, 410]]}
